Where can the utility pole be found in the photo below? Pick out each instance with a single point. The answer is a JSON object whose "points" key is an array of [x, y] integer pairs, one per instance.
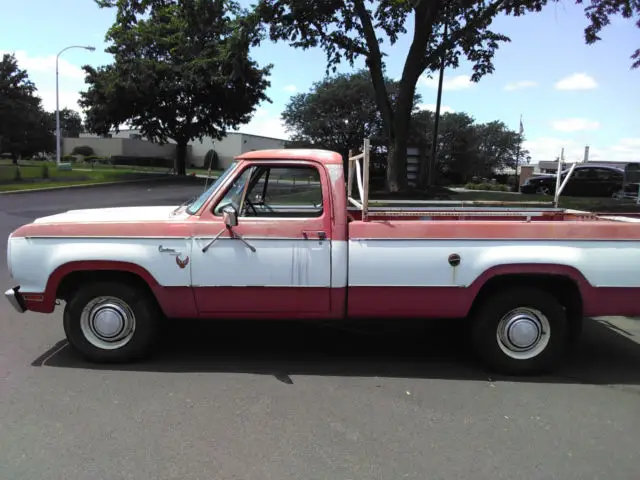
{"points": [[436, 121]]}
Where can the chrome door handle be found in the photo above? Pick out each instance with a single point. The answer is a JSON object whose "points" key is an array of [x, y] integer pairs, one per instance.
{"points": [[319, 235]]}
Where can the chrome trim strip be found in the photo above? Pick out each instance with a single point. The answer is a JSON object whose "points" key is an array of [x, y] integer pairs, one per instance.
{"points": [[247, 237]]}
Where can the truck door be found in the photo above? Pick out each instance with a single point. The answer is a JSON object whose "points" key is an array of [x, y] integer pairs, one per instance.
{"points": [[277, 259]]}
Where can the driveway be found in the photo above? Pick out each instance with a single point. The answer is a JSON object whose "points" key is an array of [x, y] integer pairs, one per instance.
{"points": [[291, 401]]}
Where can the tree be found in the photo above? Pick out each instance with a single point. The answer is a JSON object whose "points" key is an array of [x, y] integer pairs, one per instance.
{"points": [[349, 29], [181, 71], [338, 113], [70, 123], [24, 126], [458, 157], [499, 147], [600, 11]]}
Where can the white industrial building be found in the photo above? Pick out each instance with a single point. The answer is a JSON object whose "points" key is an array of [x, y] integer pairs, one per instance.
{"points": [[131, 143]]}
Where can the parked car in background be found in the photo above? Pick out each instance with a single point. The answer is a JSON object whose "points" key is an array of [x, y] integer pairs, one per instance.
{"points": [[586, 181]]}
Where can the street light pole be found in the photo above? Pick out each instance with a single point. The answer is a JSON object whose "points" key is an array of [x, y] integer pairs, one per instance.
{"points": [[91, 49]]}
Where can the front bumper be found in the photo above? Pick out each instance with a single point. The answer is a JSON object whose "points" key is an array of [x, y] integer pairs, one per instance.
{"points": [[15, 299]]}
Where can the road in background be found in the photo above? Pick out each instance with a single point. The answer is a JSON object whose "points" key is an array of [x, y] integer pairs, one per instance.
{"points": [[285, 401]]}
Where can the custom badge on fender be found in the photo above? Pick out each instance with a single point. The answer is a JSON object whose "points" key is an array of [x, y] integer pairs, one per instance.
{"points": [[182, 263]]}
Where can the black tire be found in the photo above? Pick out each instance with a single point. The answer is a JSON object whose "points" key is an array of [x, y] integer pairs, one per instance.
{"points": [[138, 301], [493, 309]]}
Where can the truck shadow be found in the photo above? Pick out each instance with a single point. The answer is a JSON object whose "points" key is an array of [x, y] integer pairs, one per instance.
{"points": [[435, 350]]}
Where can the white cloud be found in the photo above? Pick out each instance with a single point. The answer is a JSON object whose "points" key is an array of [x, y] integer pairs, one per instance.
{"points": [[627, 148], [290, 88], [459, 82], [42, 72], [549, 148], [67, 99], [576, 81], [266, 124], [575, 124], [47, 65], [520, 84], [432, 107]]}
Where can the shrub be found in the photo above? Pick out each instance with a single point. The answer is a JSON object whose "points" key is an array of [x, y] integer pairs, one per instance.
{"points": [[493, 187], [69, 158], [44, 171], [84, 150]]}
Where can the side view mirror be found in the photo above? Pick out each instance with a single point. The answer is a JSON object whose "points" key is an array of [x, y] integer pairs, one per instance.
{"points": [[230, 216]]}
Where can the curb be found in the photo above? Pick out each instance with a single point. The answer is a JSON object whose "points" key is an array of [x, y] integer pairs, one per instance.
{"points": [[86, 185]]}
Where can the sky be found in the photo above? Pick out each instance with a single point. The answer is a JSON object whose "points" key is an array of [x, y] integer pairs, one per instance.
{"points": [[569, 94]]}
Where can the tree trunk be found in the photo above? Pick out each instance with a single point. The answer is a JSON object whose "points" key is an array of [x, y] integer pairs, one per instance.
{"points": [[180, 164], [398, 144]]}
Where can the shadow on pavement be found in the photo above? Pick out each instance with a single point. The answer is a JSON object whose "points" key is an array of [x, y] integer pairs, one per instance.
{"points": [[284, 349]]}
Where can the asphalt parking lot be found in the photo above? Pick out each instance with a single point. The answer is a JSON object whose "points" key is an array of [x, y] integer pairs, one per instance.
{"points": [[288, 401]]}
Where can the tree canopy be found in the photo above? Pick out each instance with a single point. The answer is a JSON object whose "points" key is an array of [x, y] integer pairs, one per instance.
{"points": [[181, 70], [70, 123], [25, 128], [599, 13], [339, 112], [347, 30]]}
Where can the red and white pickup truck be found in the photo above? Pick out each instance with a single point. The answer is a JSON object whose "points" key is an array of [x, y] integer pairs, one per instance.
{"points": [[276, 237]]}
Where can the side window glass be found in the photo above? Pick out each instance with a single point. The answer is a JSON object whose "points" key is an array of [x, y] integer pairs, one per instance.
{"points": [[581, 174], [234, 195], [294, 192], [603, 174]]}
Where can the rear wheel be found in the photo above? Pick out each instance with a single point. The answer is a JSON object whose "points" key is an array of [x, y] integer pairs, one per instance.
{"points": [[521, 331], [111, 322]]}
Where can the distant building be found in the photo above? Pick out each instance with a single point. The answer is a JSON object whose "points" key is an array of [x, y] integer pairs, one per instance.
{"points": [[131, 143]]}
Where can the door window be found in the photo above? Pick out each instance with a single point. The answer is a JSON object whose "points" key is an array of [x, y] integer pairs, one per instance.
{"points": [[280, 192], [582, 174]]}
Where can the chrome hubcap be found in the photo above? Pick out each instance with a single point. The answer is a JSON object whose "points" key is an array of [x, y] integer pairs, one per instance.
{"points": [[107, 323], [523, 333]]}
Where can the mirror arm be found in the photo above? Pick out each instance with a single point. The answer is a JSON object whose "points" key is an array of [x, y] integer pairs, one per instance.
{"points": [[233, 234], [239, 237], [208, 245]]}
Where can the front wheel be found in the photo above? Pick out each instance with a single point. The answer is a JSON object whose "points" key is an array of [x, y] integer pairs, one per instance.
{"points": [[521, 331], [111, 322]]}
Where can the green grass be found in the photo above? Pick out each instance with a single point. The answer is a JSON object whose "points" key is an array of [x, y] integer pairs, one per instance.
{"points": [[29, 164], [90, 177], [81, 173], [32, 176]]}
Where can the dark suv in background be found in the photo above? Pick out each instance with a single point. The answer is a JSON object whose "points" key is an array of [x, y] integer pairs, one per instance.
{"points": [[585, 181]]}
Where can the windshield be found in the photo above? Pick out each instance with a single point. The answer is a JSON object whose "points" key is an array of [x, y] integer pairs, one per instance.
{"points": [[198, 202]]}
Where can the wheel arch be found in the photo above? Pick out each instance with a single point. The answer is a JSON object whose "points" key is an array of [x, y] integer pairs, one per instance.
{"points": [[67, 276], [565, 283]]}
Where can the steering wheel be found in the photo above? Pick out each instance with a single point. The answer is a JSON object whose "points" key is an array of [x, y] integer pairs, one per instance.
{"points": [[250, 204]]}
